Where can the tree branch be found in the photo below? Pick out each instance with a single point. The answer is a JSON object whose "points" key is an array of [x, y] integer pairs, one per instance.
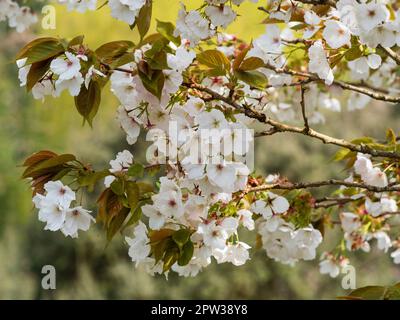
{"points": [[391, 54], [317, 184], [281, 127], [377, 95], [303, 110], [328, 202]]}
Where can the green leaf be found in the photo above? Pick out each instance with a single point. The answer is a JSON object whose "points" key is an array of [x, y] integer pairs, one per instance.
{"points": [[153, 80], [145, 187], [143, 20], [38, 157], [369, 293], [109, 205], [341, 154], [251, 63], [136, 170], [240, 57], [88, 101], [393, 292], [41, 49], [36, 72], [125, 58], [135, 217], [117, 186], [255, 79], [111, 51], [116, 223], [391, 136], [156, 56], [375, 293], [53, 162], [61, 174], [187, 254], [78, 40], [159, 235], [353, 53], [132, 194], [181, 237], [216, 63], [363, 140], [90, 179], [170, 257], [166, 29]]}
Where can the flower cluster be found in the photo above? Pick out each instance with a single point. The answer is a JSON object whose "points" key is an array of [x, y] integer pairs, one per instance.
{"points": [[55, 210], [198, 94], [20, 18]]}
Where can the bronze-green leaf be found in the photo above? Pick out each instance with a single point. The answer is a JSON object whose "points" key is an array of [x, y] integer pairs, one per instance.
{"points": [[41, 49], [144, 19], [88, 101], [255, 79], [186, 254], [110, 51], [251, 63], [36, 72], [215, 62], [166, 29]]}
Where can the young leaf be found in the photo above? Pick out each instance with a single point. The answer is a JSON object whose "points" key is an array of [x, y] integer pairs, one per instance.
{"points": [[251, 63], [254, 79], [36, 72], [166, 29], [181, 237], [109, 205], [144, 19], [88, 101], [41, 49], [89, 179], [135, 217], [186, 254], [51, 163], [117, 186], [153, 81], [136, 170], [78, 40], [132, 194], [216, 62], [116, 223], [111, 51], [240, 57], [170, 257], [38, 157]]}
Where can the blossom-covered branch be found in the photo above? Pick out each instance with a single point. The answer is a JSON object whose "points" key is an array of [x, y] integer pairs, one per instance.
{"points": [[281, 127], [198, 93]]}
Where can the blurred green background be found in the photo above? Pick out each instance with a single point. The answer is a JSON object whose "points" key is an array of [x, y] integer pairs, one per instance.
{"points": [[85, 270]]}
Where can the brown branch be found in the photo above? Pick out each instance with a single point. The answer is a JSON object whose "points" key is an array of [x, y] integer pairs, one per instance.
{"points": [[317, 184], [391, 54], [303, 110], [384, 214], [281, 127], [331, 3], [328, 202], [377, 95]]}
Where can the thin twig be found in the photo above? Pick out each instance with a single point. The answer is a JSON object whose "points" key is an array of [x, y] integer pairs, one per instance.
{"points": [[328, 202], [303, 110], [377, 95], [391, 54]]}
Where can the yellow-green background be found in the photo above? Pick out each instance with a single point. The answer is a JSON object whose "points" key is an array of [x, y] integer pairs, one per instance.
{"points": [[85, 270]]}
